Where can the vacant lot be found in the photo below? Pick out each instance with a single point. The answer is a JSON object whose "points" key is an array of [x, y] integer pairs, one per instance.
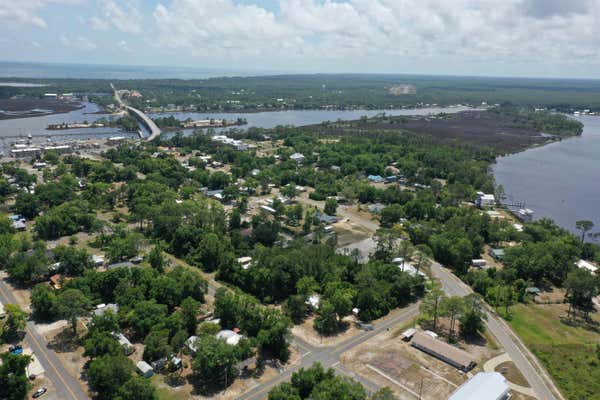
{"points": [[568, 351]]}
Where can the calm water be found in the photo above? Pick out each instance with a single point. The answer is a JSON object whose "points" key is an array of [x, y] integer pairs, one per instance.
{"points": [[90, 71], [561, 180], [271, 119], [36, 126]]}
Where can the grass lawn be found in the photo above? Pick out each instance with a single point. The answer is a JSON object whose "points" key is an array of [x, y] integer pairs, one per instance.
{"points": [[568, 352]]}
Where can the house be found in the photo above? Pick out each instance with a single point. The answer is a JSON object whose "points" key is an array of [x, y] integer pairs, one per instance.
{"points": [[479, 263], [326, 219], [125, 264], [56, 281], [485, 200], [497, 254], [376, 208], [19, 225], [2, 311], [125, 343], [230, 337], [586, 265], [298, 157], [191, 344], [375, 178], [268, 209], [313, 301], [103, 308], [483, 386], [244, 262], [390, 179], [408, 334], [525, 214], [452, 355], [144, 369], [98, 260]]}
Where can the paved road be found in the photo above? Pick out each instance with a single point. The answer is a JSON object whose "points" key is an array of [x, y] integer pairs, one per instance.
{"points": [[140, 115], [536, 375], [330, 356], [66, 386]]}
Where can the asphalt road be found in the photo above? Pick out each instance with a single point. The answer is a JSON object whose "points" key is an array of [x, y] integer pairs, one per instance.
{"points": [[329, 357], [66, 386], [536, 375]]}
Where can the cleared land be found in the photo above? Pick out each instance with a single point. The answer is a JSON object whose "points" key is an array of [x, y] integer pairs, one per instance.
{"points": [[568, 351]]}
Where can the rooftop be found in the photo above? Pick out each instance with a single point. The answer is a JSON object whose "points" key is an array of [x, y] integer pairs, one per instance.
{"points": [[483, 386]]}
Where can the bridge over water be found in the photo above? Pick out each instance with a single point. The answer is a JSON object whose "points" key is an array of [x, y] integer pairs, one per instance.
{"points": [[139, 115]]}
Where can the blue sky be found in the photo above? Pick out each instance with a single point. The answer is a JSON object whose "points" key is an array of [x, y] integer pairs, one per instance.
{"points": [[460, 37]]}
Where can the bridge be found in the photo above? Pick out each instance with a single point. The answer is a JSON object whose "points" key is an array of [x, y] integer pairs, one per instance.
{"points": [[139, 115]]}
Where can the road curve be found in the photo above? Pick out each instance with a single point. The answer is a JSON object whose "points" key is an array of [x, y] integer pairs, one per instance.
{"points": [[139, 115], [526, 362], [67, 387]]}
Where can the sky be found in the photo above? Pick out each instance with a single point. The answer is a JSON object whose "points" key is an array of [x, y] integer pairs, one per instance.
{"points": [[534, 38]]}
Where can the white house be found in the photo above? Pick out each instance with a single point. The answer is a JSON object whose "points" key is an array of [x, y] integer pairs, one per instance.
{"points": [[485, 200], [244, 262], [230, 337], [483, 386], [190, 343], [586, 265], [298, 157], [144, 369]]}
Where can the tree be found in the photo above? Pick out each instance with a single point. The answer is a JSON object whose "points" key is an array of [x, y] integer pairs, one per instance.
{"points": [[339, 388], [44, 302], [471, 321], [16, 320], [581, 287], [107, 374], [584, 226], [431, 304], [214, 362], [284, 391], [72, 303], [326, 321], [137, 388], [156, 345], [156, 258], [296, 307], [452, 307], [305, 380], [14, 384], [330, 206], [99, 344], [383, 394], [189, 312], [289, 190]]}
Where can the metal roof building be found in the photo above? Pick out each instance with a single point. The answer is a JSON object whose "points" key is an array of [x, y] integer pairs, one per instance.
{"points": [[483, 386], [452, 355]]}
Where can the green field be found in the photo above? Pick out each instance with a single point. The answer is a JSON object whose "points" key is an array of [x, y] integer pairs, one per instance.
{"points": [[568, 352]]}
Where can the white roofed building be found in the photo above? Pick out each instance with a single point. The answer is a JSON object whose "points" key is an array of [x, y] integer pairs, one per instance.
{"points": [[483, 386]]}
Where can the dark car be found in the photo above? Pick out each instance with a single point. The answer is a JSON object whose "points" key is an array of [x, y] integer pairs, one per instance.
{"points": [[40, 392]]}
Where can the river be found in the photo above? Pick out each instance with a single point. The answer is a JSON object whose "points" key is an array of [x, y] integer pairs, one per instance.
{"points": [[561, 180], [10, 129]]}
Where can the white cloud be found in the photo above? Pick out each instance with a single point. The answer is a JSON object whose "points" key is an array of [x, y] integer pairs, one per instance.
{"points": [[98, 24], [393, 32], [22, 12], [26, 12], [123, 46], [80, 43], [123, 15]]}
